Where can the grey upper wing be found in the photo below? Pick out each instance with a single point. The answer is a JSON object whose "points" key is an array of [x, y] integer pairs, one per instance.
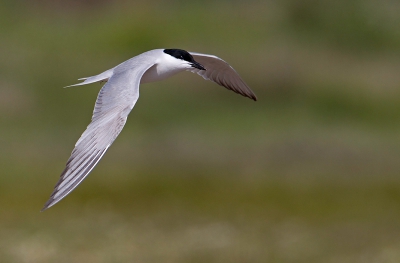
{"points": [[114, 102], [222, 73]]}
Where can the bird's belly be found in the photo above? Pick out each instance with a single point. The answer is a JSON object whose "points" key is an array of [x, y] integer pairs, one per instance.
{"points": [[156, 74]]}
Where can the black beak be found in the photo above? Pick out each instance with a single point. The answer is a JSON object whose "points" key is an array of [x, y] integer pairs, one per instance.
{"points": [[197, 65]]}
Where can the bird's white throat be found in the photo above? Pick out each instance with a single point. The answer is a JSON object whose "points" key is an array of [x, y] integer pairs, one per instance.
{"points": [[165, 67]]}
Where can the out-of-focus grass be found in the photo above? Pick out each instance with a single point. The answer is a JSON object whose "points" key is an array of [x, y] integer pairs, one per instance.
{"points": [[309, 173], [180, 218]]}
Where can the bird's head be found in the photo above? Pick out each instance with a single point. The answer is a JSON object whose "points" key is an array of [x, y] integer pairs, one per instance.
{"points": [[185, 57]]}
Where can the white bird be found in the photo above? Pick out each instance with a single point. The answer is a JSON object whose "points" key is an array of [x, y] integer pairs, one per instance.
{"points": [[120, 93]]}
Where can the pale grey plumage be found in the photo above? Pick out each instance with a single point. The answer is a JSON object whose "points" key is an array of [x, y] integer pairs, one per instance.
{"points": [[117, 98]]}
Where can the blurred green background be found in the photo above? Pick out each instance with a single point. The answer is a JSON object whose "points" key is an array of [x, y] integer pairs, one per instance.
{"points": [[309, 173]]}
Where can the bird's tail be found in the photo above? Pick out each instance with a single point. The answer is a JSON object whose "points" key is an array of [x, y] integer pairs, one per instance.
{"points": [[101, 77]]}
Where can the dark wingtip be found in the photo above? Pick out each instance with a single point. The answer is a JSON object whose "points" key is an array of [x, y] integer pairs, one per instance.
{"points": [[47, 205], [249, 95]]}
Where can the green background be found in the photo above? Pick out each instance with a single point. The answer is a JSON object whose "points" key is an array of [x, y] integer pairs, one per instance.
{"points": [[308, 173]]}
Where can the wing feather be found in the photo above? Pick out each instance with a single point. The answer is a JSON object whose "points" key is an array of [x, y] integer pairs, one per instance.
{"points": [[114, 102], [220, 72]]}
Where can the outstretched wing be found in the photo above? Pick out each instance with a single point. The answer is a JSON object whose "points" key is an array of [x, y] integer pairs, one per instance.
{"points": [[222, 73], [114, 102]]}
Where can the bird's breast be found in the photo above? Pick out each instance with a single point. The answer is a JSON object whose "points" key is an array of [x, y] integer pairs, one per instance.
{"points": [[157, 73]]}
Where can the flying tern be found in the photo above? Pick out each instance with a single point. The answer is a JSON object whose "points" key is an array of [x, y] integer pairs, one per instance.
{"points": [[118, 96]]}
